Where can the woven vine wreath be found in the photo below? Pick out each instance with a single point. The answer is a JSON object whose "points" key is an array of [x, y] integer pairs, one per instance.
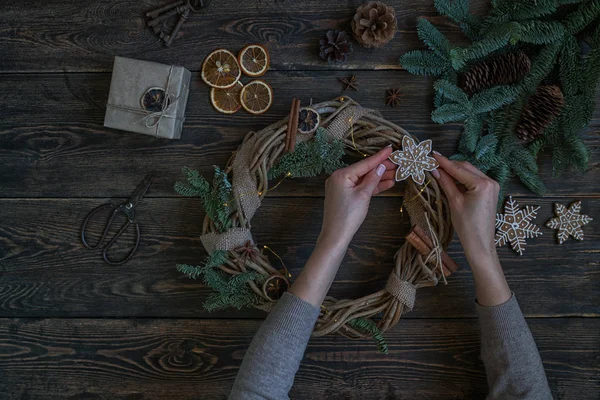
{"points": [[362, 131]]}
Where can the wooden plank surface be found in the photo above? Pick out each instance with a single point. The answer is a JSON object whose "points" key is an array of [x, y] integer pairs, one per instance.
{"points": [[46, 272], [98, 30], [198, 359], [54, 144], [57, 162]]}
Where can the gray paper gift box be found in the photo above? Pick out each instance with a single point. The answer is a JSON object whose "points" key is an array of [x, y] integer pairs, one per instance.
{"points": [[147, 97]]}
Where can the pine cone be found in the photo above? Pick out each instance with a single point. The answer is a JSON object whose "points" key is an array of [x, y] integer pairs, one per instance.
{"points": [[501, 70], [541, 109], [335, 47], [374, 24]]}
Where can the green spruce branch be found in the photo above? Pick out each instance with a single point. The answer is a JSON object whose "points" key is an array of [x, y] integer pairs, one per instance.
{"points": [[546, 31], [311, 158], [230, 291], [368, 327], [216, 198]]}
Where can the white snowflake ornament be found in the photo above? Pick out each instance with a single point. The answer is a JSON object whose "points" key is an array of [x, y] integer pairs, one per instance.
{"points": [[568, 221], [413, 160], [514, 226]]}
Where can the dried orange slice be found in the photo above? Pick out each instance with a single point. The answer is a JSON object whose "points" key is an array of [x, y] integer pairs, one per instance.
{"points": [[254, 60], [220, 69], [256, 97], [227, 101]]}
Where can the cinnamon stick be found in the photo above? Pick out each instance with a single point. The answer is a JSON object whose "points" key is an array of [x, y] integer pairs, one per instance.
{"points": [[292, 128], [448, 262], [423, 249], [418, 244]]}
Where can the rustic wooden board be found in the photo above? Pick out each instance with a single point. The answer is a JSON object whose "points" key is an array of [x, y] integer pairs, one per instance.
{"points": [[46, 272], [191, 359], [98, 30], [53, 144]]}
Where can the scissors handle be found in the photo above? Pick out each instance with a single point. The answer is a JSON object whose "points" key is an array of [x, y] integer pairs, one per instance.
{"points": [[114, 239], [124, 209], [90, 216]]}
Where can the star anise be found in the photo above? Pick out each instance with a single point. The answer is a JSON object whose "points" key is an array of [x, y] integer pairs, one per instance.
{"points": [[350, 83], [247, 251], [393, 97]]}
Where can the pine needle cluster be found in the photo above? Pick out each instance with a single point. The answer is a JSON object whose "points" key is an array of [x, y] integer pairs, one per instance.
{"points": [[368, 327], [216, 198], [311, 158], [230, 291], [551, 33]]}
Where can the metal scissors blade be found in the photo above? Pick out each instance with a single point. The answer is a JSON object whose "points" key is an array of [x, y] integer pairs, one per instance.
{"points": [[141, 190]]}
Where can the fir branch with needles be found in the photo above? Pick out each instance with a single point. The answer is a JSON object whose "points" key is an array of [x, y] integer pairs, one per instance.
{"points": [[311, 158], [228, 291], [216, 198], [547, 31], [368, 327]]}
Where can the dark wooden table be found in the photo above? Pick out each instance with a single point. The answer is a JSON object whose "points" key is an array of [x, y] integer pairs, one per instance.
{"points": [[72, 327]]}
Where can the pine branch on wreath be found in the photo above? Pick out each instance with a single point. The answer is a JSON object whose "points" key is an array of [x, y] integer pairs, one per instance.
{"points": [[368, 327], [216, 199], [229, 291], [516, 48], [311, 158]]}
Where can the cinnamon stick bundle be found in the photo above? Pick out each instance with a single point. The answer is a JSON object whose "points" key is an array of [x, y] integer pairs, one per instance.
{"points": [[422, 242]]}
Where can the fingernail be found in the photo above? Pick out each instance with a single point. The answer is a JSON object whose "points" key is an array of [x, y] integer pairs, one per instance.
{"points": [[380, 170], [436, 174], [437, 153], [389, 145]]}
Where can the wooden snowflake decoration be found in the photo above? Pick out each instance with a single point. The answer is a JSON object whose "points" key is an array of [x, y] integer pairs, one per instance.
{"points": [[568, 221], [413, 160], [514, 226]]}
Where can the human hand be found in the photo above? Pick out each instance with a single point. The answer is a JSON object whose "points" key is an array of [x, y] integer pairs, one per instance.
{"points": [[472, 206], [348, 192]]}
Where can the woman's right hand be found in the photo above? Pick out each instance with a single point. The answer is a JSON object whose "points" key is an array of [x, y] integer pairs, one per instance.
{"points": [[472, 205], [473, 208]]}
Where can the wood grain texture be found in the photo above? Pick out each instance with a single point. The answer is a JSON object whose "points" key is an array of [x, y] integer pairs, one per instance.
{"points": [[46, 272], [53, 144], [97, 30], [190, 359]]}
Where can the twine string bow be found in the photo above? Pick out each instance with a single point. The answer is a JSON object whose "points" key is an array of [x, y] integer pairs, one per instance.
{"points": [[152, 118]]}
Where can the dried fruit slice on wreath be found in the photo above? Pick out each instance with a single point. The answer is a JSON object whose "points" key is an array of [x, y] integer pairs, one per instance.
{"points": [[220, 69], [308, 120], [256, 97], [227, 101], [254, 60]]}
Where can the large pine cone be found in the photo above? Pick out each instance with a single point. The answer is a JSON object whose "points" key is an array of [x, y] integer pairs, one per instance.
{"points": [[501, 70], [374, 24], [335, 47], [541, 109]]}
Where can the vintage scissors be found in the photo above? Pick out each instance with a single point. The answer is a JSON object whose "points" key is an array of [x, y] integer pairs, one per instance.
{"points": [[127, 208]]}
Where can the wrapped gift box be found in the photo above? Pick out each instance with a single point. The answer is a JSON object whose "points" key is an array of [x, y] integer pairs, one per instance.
{"points": [[147, 97]]}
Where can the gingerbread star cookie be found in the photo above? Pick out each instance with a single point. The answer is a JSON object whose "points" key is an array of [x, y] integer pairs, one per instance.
{"points": [[413, 160]]}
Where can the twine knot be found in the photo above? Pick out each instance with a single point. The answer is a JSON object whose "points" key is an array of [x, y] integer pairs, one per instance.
{"points": [[154, 118]]}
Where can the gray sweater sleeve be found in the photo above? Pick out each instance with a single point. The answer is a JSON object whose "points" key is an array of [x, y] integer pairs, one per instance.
{"points": [[271, 362], [512, 361], [511, 358]]}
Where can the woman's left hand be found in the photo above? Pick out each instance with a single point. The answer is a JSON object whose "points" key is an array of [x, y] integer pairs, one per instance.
{"points": [[348, 192]]}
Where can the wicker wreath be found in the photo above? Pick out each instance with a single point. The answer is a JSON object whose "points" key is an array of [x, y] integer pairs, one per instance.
{"points": [[362, 131]]}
